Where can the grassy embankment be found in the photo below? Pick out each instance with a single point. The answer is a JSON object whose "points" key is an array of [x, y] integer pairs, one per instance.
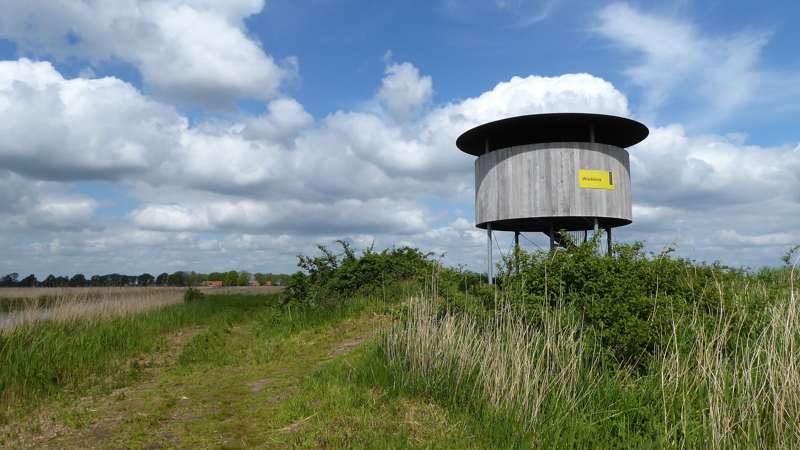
{"points": [[251, 373], [631, 352], [79, 343], [572, 350]]}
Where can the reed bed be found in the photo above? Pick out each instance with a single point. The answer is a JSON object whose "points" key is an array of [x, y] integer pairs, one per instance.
{"points": [[723, 376], [516, 370], [742, 385], [31, 305]]}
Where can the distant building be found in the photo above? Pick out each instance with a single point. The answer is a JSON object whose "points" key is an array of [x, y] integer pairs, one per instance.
{"points": [[211, 284]]}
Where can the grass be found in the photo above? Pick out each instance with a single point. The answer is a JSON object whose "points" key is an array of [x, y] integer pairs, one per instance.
{"points": [[746, 393], [505, 367], [240, 372], [269, 378], [532, 378], [47, 358], [19, 306]]}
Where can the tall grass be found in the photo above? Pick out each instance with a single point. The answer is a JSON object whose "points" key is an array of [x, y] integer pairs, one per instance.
{"points": [[504, 367], [721, 376], [42, 359], [29, 305], [741, 385]]}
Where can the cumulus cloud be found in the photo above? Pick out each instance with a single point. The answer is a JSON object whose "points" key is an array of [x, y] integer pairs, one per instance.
{"points": [[534, 94], [284, 118], [672, 169], [105, 129], [62, 212], [343, 216], [352, 172], [209, 190], [189, 51], [169, 218], [403, 91], [280, 154], [715, 196], [58, 129], [362, 155], [26, 203]]}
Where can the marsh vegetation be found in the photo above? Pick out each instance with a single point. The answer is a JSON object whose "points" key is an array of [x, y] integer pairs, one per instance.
{"points": [[19, 306], [570, 349]]}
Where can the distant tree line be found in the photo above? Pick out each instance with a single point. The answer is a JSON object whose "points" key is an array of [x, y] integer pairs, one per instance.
{"points": [[179, 278]]}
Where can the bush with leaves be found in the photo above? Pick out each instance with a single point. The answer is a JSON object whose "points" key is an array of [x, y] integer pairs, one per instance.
{"points": [[628, 301], [331, 277]]}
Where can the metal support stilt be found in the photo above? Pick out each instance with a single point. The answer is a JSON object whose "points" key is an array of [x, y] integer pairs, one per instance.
{"points": [[552, 238], [608, 239], [516, 251], [596, 231], [489, 251]]}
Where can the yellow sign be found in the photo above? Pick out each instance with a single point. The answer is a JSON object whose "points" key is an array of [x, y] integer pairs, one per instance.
{"points": [[596, 179]]}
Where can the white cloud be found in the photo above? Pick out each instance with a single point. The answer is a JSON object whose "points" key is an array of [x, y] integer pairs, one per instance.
{"points": [[26, 203], [169, 218], [343, 216], [679, 60], [353, 173], [279, 182], [705, 172], [105, 129], [284, 118], [404, 91], [59, 129], [189, 51], [362, 155], [772, 239], [62, 212], [717, 198], [533, 94]]}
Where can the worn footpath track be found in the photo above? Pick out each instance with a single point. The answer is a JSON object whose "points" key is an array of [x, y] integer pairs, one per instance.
{"points": [[244, 402]]}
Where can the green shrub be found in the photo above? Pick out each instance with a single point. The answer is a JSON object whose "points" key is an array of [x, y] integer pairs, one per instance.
{"points": [[192, 295], [628, 301], [332, 278]]}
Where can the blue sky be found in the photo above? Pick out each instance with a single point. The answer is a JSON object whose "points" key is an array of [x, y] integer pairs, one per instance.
{"points": [[201, 135]]}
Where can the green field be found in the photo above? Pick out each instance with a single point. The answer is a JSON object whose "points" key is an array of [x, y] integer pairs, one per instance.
{"points": [[392, 350], [237, 372]]}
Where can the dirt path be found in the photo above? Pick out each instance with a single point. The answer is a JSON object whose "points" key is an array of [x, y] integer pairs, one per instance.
{"points": [[251, 401]]}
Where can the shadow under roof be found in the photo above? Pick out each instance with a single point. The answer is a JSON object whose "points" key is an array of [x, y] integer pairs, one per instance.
{"points": [[555, 127]]}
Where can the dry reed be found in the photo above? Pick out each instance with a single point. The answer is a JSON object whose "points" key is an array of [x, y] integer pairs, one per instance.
{"points": [[514, 368], [67, 304], [745, 386]]}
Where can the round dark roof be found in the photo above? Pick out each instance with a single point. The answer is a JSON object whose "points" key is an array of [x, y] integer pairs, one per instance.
{"points": [[555, 127]]}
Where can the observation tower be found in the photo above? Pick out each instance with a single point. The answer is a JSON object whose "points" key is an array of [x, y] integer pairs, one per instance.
{"points": [[552, 172]]}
